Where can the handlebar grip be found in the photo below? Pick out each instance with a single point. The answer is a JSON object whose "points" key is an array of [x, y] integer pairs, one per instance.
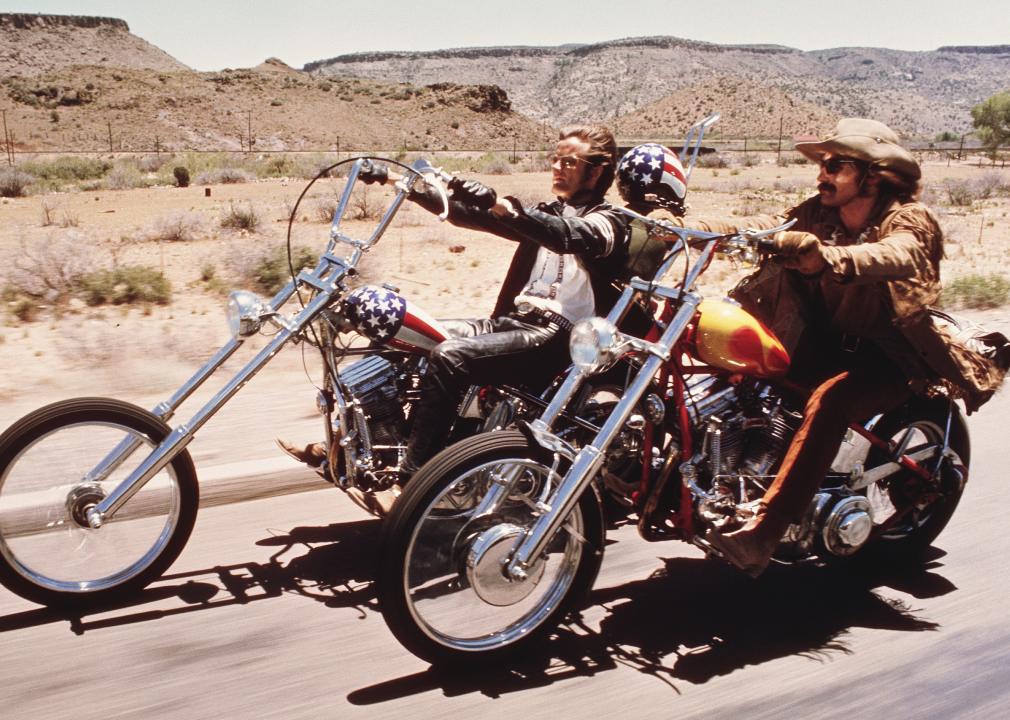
{"points": [[371, 173], [473, 193], [767, 246]]}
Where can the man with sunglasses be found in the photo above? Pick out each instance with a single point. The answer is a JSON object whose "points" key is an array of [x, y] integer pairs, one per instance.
{"points": [[568, 253], [848, 294]]}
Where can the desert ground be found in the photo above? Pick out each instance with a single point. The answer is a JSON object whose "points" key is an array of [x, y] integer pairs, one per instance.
{"points": [[141, 353]]}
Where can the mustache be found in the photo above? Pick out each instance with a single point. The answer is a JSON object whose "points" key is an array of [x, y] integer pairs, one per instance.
{"points": [[826, 187]]}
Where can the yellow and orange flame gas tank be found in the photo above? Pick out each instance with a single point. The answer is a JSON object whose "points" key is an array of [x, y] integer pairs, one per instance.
{"points": [[728, 337]]}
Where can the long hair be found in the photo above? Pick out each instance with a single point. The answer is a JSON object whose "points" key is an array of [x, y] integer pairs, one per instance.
{"points": [[602, 151], [897, 185]]}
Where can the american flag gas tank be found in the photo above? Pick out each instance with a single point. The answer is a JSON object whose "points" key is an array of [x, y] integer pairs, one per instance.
{"points": [[385, 317]]}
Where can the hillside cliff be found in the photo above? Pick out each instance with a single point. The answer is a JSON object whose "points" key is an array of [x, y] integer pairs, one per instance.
{"points": [[38, 44], [916, 92]]}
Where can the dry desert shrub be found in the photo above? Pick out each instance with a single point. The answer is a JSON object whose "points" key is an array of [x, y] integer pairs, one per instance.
{"points": [[493, 164], [14, 182], [67, 170], [98, 342], [50, 269], [324, 209], [53, 214], [712, 160], [176, 227], [365, 204], [791, 158], [976, 291], [152, 163], [126, 284], [535, 163], [269, 269], [966, 192], [126, 176], [792, 187], [224, 176], [241, 217]]}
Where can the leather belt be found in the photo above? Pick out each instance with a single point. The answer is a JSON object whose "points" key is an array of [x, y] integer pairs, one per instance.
{"points": [[542, 317]]}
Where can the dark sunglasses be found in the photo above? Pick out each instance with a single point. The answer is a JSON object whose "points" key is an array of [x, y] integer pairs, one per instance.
{"points": [[832, 166], [567, 161]]}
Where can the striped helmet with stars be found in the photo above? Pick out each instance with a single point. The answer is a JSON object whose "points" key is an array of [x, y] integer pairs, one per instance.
{"points": [[651, 174]]}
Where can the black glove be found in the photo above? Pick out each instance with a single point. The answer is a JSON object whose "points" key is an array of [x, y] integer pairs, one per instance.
{"points": [[371, 173], [471, 192]]}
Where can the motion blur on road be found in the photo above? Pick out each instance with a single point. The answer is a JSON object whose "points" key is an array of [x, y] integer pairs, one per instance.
{"points": [[270, 612]]}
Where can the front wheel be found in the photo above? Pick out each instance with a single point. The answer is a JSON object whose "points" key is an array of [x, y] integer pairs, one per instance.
{"points": [[441, 584], [48, 553]]}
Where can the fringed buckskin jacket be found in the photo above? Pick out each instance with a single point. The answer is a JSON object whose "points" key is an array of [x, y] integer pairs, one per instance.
{"points": [[902, 249]]}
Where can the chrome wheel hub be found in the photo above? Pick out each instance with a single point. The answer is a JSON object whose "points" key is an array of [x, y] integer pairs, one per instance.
{"points": [[81, 499], [486, 566]]}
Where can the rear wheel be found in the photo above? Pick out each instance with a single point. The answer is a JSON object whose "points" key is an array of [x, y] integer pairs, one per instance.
{"points": [[908, 511], [48, 552], [442, 586]]}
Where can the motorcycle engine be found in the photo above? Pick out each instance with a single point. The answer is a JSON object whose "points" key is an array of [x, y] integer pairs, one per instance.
{"points": [[745, 429], [372, 385]]}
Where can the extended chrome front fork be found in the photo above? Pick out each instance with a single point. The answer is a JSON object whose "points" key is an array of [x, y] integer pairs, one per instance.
{"points": [[325, 280], [587, 462]]}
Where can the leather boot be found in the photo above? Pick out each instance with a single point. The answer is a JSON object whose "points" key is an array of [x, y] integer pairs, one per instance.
{"points": [[378, 503], [429, 430], [313, 454]]}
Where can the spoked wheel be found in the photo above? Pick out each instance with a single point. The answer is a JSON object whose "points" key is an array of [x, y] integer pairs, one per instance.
{"points": [[442, 586], [909, 512], [48, 552]]}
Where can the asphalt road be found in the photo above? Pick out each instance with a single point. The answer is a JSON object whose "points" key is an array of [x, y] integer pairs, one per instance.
{"points": [[270, 613]]}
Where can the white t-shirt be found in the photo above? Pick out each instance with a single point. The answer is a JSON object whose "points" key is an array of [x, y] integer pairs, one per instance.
{"points": [[560, 283]]}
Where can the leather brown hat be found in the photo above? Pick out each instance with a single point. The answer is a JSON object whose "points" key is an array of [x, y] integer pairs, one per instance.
{"points": [[868, 140]]}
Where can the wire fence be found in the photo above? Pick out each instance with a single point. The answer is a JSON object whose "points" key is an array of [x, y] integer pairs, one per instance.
{"points": [[119, 143]]}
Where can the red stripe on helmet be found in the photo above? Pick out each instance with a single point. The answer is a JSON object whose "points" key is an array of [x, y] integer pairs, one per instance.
{"points": [[675, 171]]}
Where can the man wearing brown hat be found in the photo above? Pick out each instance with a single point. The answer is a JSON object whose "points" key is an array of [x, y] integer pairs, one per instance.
{"points": [[848, 298]]}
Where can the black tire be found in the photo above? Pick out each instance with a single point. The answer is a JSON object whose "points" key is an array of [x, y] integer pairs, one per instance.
{"points": [[913, 534], [50, 557], [430, 531]]}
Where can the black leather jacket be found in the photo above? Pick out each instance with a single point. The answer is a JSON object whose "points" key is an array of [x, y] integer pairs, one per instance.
{"points": [[545, 226]]}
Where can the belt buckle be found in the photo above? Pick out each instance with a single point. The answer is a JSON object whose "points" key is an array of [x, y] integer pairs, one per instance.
{"points": [[850, 343], [525, 308]]}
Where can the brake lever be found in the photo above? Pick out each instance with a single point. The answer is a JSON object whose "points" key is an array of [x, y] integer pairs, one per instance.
{"points": [[436, 178], [762, 241]]}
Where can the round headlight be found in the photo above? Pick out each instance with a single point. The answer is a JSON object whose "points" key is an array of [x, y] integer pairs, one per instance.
{"points": [[593, 343], [244, 313]]}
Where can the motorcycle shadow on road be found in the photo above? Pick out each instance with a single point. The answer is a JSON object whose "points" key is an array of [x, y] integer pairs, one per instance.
{"points": [[695, 619], [336, 568]]}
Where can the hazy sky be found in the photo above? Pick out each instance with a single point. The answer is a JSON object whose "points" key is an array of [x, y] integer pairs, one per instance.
{"points": [[214, 34]]}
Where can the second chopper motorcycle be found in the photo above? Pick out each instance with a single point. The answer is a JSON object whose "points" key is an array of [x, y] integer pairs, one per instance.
{"points": [[98, 496]]}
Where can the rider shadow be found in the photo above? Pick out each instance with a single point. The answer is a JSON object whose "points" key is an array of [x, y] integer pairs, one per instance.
{"points": [[336, 569], [718, 622]]}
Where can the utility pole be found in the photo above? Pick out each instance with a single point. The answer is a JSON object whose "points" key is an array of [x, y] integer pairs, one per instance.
{"points": [[778, 157], [7, 141], [109, 122], [248, 115]]}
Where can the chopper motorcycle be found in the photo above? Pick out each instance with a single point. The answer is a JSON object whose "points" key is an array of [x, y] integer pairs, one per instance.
{"points": [[98, 496], [501, 535]]}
